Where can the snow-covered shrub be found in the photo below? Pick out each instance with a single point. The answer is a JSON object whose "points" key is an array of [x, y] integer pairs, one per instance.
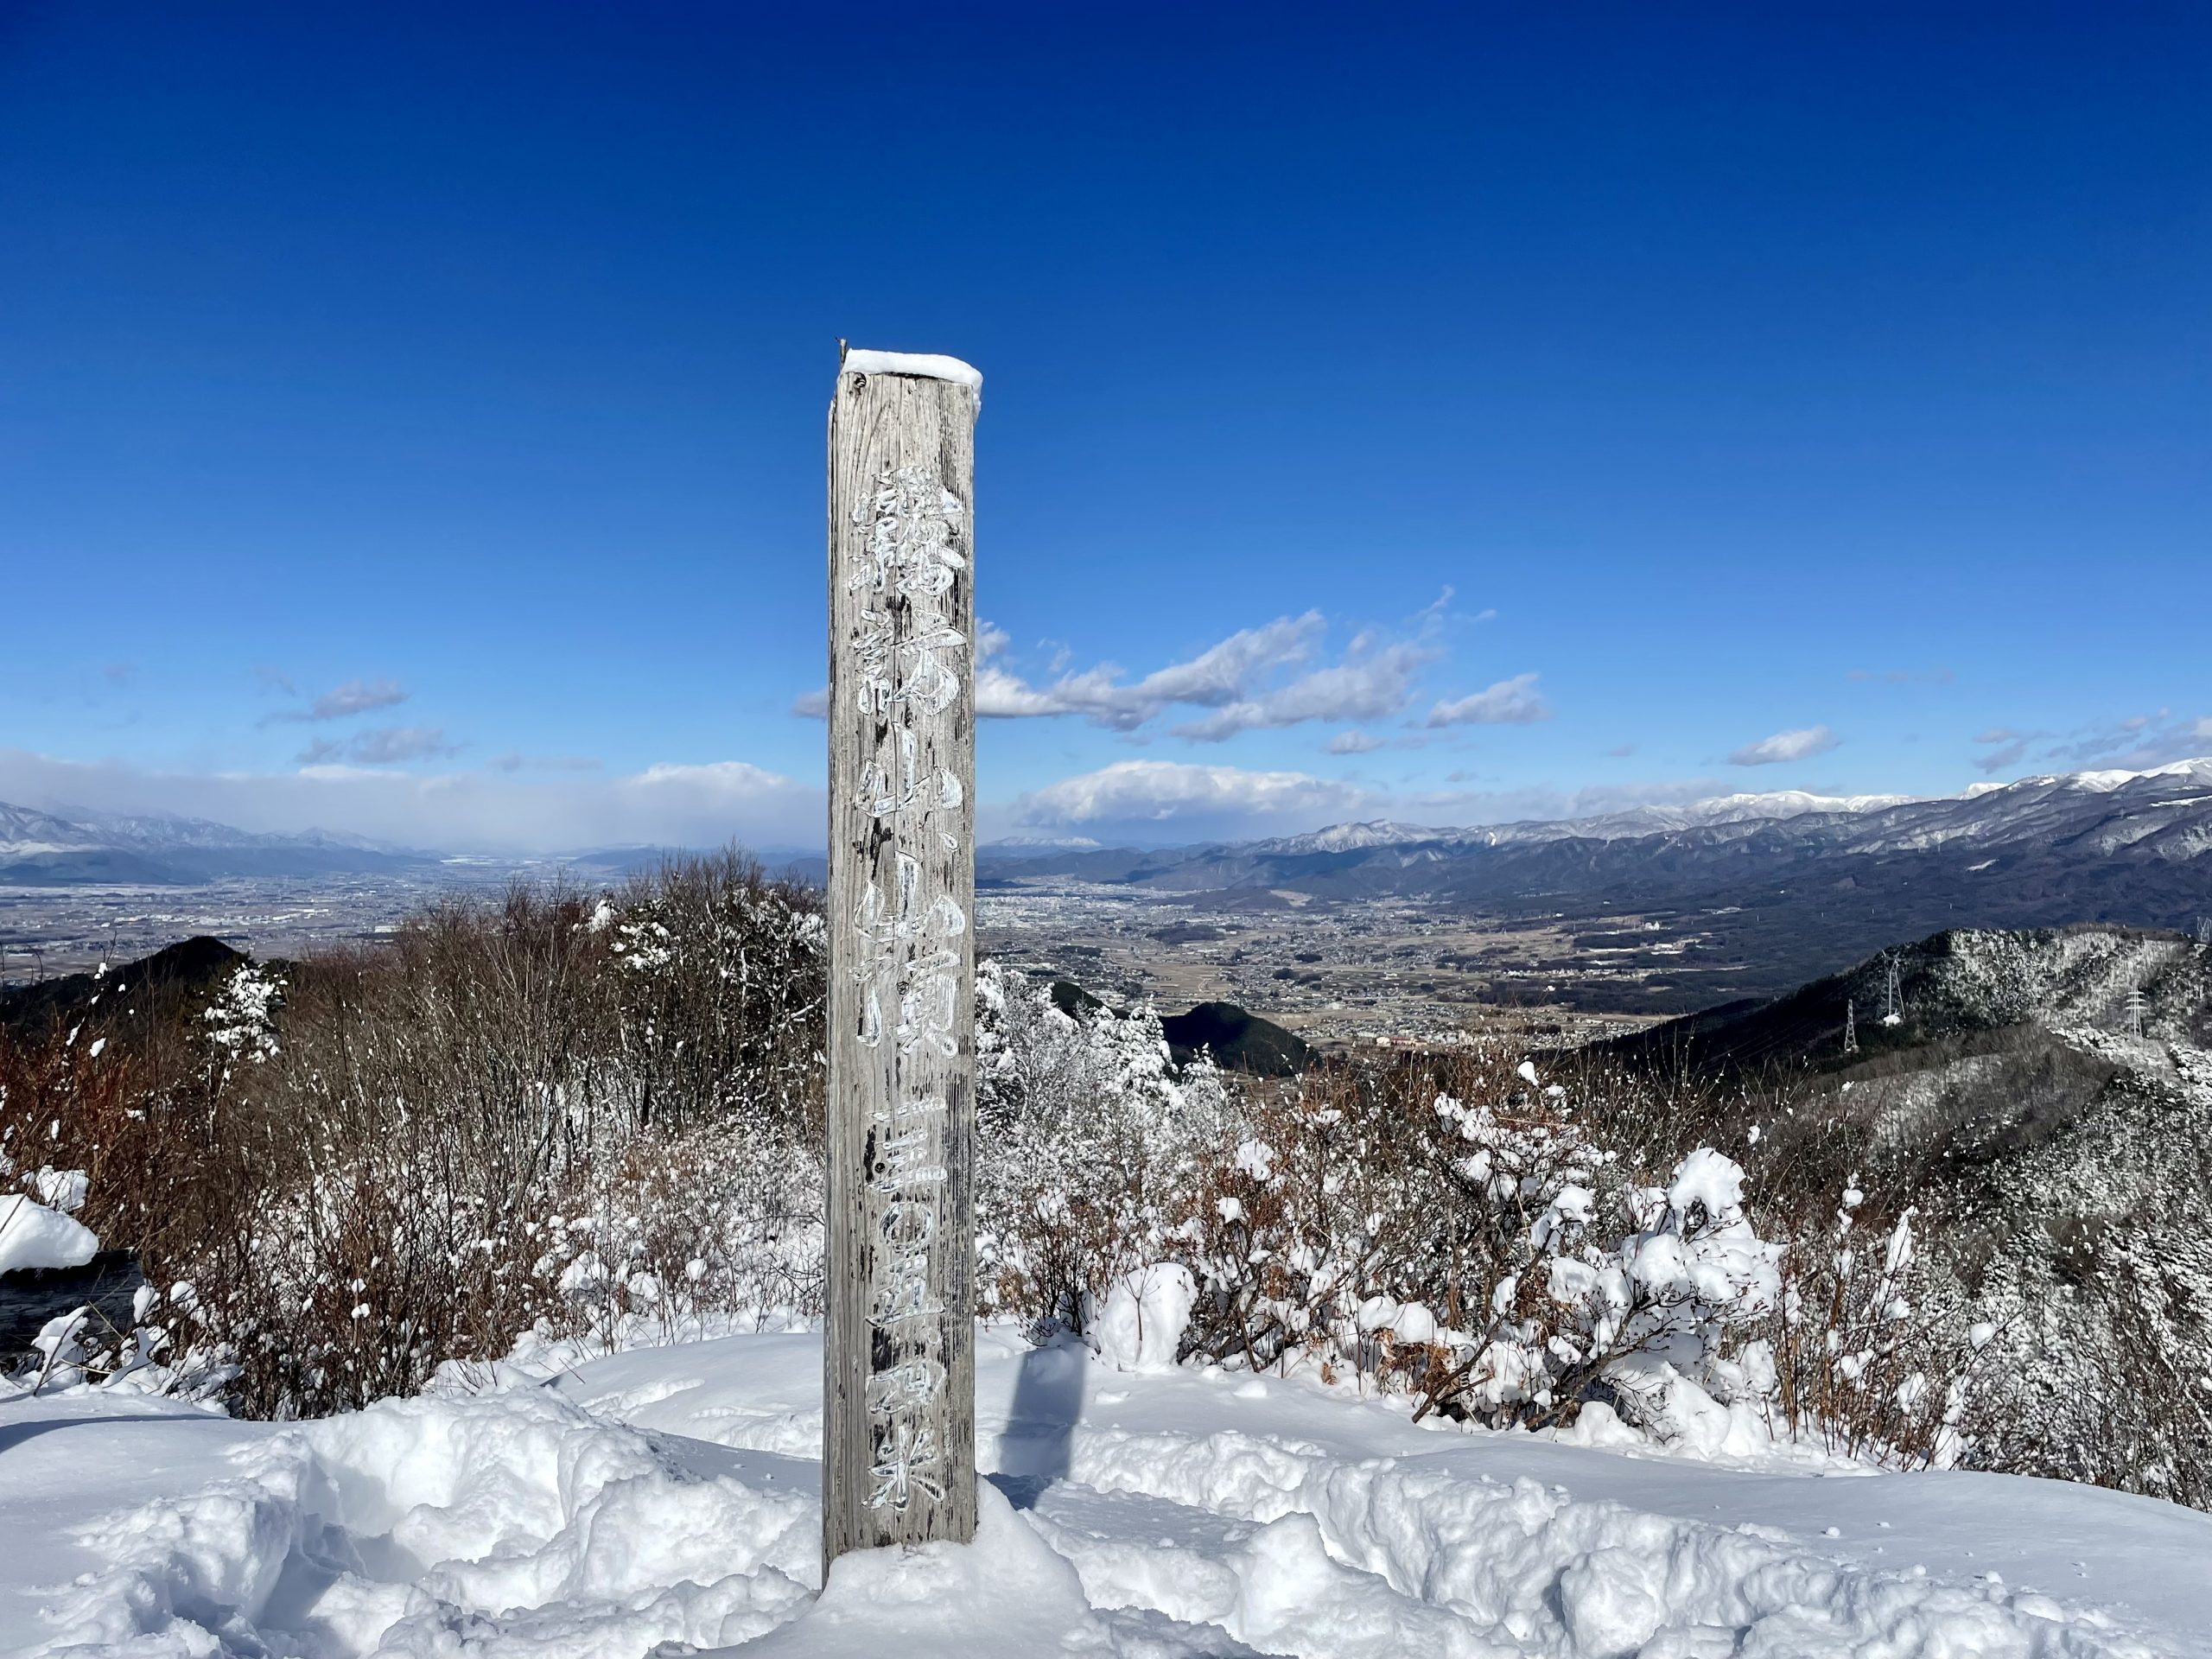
{"points": [[1093, 1148], [241, 1020], [1305, 1216], [2087, 1277], [119, 1135], [719, 992], [1860, 1362], [1998, 1255], [1466, 1237], [84, 1348], [1455, 1229], [599, 1116], [511, 1115], [692, 1233], [105, 1344]]}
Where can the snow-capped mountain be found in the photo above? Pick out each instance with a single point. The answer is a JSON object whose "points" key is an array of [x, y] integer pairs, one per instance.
{"points": [[75, 848], [1350, 838], [25, 832], [1750, 889], [1033, 845], [1610, 826], [2135, 806]]}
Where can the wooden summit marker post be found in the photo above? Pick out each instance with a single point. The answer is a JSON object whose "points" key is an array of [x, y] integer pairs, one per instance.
{"points": [[898, 1363]]}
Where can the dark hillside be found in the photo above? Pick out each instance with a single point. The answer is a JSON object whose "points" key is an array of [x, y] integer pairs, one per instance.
{"points": [[1239, 1041], [158, 984]]}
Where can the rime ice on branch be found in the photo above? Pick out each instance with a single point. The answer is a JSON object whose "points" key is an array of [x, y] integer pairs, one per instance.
{"points": [[899, 1389]]}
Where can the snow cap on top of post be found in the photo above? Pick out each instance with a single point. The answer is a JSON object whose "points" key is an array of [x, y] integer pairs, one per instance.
{"points": [[926, 364]]}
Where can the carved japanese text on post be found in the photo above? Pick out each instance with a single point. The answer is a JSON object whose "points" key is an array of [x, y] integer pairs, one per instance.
{"points": [[898, 1430]]}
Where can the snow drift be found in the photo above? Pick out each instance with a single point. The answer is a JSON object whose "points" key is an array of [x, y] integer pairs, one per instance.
{"points": [[668, 1496]]}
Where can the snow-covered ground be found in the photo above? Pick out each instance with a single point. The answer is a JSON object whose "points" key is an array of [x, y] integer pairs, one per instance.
{"points": [[668, 1495]]}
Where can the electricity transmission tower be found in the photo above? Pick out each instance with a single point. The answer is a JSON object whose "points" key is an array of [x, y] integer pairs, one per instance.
{"points": [[1850, 1027], [1892, 1010], [2132, 1009]]}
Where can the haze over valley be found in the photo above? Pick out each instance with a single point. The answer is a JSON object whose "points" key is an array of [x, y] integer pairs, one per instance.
{"points": [[1352, 934]]}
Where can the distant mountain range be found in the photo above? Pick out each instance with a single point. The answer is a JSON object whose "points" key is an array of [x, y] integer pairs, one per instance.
{"points": [[1767, 890], [42, 849], [1796, 884], [1612, 826], [2164, 815]]}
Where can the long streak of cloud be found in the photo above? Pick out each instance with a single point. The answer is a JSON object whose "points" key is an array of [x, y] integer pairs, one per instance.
{"points": [[354, 697]]}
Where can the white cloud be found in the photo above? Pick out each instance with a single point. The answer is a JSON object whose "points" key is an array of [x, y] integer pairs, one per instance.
{"points": [[719, 776], [1370, 684], [1257, 678], [1219, 676], [1357, 743], [1166, 801], [704, 804], [1509, 703], [2003, 747], [1159, 791], [1801, 745], [513, 761], [1001, 696]]}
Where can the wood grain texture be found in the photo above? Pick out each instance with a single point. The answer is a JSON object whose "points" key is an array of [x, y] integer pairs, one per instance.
{"points": [[898, 1424]]}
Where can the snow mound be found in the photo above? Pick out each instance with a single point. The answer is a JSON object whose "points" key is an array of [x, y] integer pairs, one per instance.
{"points": [[1169, 1514], [518, 1525], [1141, 1324], [1374, 1560], [33, 1236], [1010, 1593]]}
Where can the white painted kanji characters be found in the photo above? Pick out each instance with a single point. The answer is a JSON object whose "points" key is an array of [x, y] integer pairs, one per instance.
{"points": [[908, 1460], [913, 668]]}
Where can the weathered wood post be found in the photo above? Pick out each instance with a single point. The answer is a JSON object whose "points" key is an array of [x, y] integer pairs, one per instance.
{"points": [[898, 1364]]}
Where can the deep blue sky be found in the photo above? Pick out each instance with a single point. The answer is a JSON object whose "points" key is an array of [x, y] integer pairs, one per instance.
{"points": [[1837, 372]]}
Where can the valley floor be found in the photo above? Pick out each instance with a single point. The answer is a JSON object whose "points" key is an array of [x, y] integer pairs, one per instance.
{"points": [[571, 1509]]}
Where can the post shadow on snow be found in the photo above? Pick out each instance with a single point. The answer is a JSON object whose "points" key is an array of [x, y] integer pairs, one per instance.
{"points": [[1038, 1446], [15, 1434]]}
